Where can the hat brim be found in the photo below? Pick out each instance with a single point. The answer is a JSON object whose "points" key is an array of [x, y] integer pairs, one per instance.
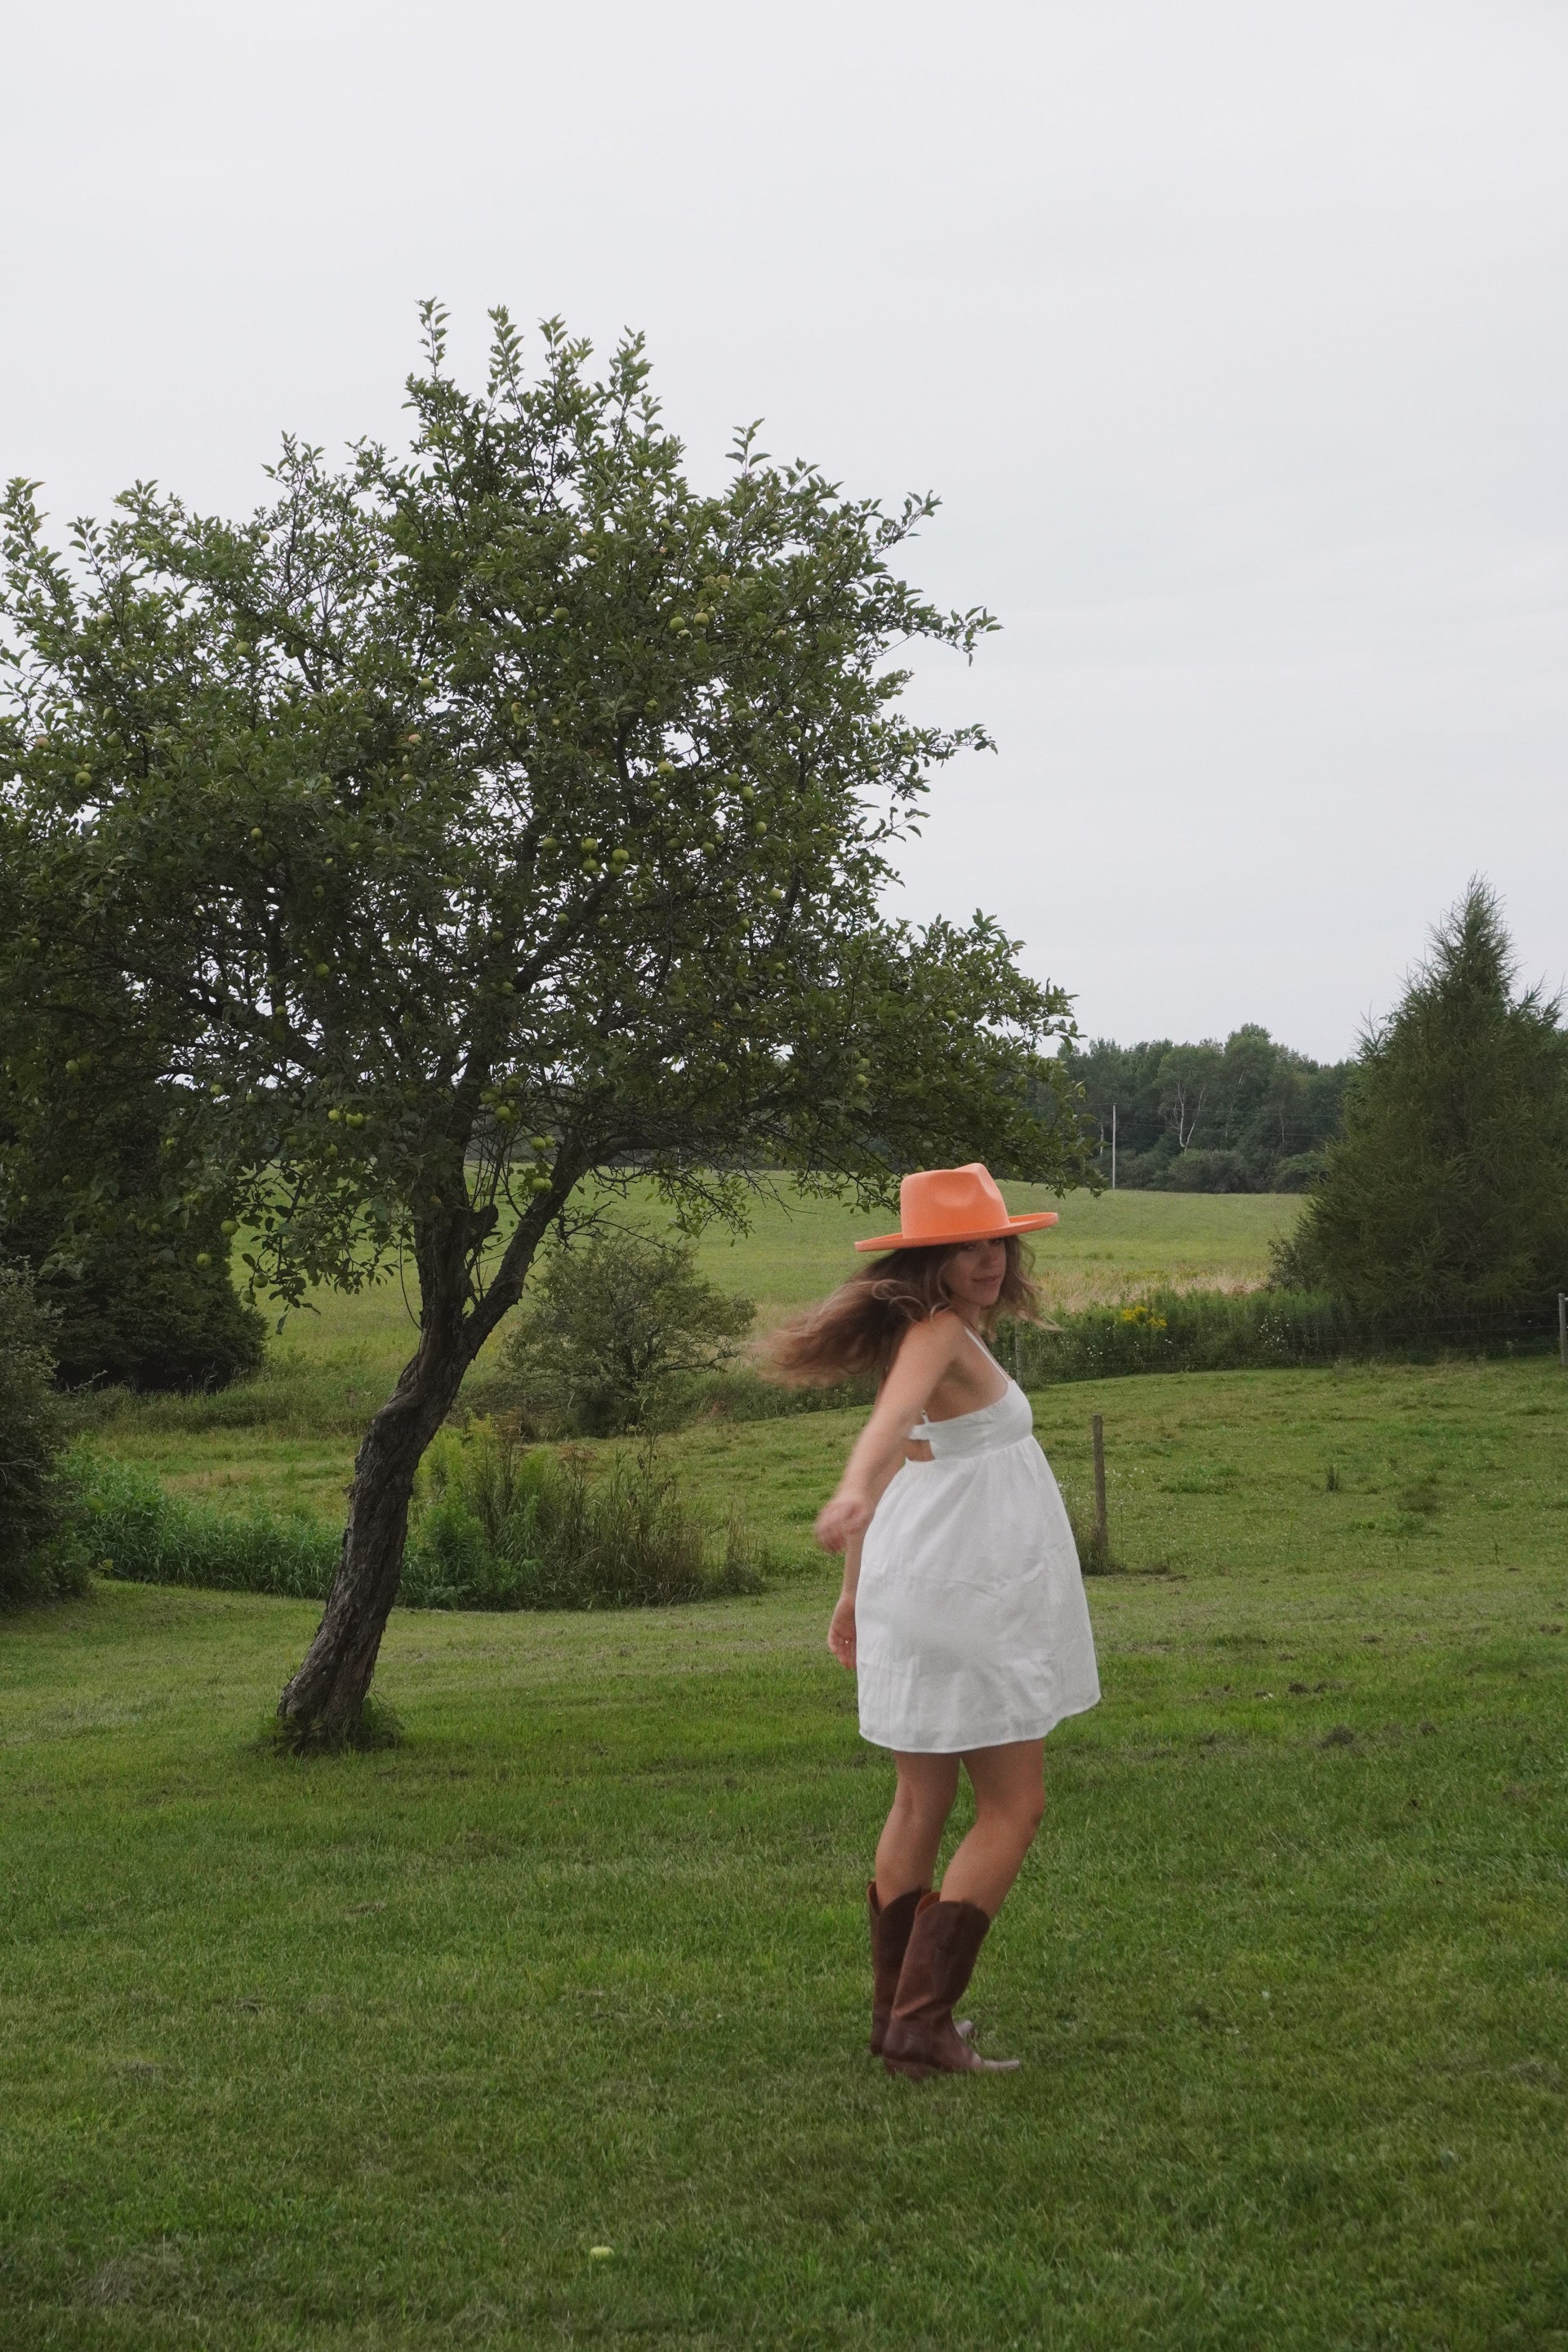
{"points": [[1030, 1225]]}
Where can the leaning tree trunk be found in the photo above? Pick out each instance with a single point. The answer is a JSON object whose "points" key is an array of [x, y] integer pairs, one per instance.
{"points": [[327, 1695], [327, 1692], [325, 1699]]}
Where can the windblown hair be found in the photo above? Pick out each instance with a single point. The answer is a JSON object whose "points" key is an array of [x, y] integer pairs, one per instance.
{"points": [[858, 1329]]}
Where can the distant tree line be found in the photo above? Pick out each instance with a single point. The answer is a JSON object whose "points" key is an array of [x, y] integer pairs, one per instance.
{"points": [[1249, 1116]]}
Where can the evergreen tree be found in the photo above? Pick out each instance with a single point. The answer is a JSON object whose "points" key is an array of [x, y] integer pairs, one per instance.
{"points": [[1449, 1194], [128, 1248], [38, 1558]]}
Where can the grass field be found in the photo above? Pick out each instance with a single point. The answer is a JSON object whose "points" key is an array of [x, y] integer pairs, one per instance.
{"points": [[374, 2053], [289, 1437], [1105, 1248]]}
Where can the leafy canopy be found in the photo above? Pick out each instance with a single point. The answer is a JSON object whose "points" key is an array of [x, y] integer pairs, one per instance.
{"points": [[478, 816], [38, 1560]]}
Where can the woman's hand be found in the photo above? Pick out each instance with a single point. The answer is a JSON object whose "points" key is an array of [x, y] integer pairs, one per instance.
{"points": [[848, 1515], [841, 1631]]}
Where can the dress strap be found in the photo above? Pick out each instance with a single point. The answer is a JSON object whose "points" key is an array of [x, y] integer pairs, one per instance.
{"points": [[921, 1432]]}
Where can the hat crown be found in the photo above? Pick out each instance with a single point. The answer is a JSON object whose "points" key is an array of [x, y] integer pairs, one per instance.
{"points": [[953, 1205], [939, 1201]]}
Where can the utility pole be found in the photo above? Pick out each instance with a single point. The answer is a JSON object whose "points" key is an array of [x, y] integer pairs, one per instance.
{"points": [[1113, 1147], [1562, 1328]]}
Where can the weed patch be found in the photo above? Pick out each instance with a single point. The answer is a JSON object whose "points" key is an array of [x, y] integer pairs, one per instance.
{"points": [[513, 1527], [494, 1526]]}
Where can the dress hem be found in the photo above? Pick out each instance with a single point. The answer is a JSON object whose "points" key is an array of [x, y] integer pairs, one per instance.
{"points": [[1006, 1739]]}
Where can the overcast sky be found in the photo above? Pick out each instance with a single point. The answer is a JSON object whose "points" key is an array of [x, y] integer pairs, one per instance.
{"points": [[1232, 336]]}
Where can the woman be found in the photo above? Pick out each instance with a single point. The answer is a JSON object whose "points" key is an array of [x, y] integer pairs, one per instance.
{"points": [[963, 1610]]}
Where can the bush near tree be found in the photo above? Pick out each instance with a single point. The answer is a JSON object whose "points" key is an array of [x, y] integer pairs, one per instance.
{"points": [[613, 1332], [1446, 1201], [475, 819], [38, 1560]]}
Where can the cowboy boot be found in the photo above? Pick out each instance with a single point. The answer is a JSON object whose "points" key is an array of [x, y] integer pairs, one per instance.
{"points": [[922, 2038], [890, 1925]]}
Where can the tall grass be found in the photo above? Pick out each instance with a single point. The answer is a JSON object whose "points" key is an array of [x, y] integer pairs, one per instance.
{"points": [[131, 1529], [529, 1528], [295, 1394], [494, 1526]]}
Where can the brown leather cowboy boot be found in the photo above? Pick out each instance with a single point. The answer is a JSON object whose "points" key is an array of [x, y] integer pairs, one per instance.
{"points": [[922, 2038], [890, 1925]]}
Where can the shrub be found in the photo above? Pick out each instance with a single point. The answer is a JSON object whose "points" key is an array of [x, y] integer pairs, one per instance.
{"points": [[495, 1525], [1211, 1171], [38, 1558], [520, 1527], [1228, 1331], [615, 1334]]}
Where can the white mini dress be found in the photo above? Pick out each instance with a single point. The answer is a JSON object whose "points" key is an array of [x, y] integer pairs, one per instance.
{"points": [[970, 1625]]}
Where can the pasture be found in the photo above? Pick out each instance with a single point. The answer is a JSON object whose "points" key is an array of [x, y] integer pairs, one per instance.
{"points": [[288, 1437], [384, 2052]]}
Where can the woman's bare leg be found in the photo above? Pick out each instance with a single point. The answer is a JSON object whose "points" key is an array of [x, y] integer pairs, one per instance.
{"points": [[1009, 1805], [907, 1849]]}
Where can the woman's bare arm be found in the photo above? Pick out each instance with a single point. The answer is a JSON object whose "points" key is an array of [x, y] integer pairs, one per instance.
{"points": [[925, 1352]]}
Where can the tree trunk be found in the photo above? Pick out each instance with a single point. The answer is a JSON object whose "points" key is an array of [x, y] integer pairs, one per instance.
{"points": [[326, 1697], [328, 1693]]}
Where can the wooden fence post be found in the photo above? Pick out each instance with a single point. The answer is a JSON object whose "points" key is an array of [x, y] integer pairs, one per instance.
{"points": [[1102, 1525]]}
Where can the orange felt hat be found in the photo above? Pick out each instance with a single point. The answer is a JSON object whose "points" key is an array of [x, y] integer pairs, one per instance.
{"points": [[941, 1205]]}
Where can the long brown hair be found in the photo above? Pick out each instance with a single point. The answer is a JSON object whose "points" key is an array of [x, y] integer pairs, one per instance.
{"points": [[858, 1329]]}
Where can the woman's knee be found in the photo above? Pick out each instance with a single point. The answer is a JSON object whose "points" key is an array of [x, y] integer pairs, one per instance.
{"points": [[928, 1799], [1016, 1815]]}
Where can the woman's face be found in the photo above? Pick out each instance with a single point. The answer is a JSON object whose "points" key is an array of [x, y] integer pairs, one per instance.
{"points": [[975, 1274]]}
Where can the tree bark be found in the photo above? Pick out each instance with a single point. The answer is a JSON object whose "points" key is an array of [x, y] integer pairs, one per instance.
{"points": [[328, 1693]]}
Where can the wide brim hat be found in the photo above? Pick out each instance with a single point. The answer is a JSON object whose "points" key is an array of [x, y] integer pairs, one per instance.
{"points": [[940, 1207]]}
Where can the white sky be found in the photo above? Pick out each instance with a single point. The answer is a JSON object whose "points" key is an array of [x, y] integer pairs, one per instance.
{"points": [[1232, 334]]}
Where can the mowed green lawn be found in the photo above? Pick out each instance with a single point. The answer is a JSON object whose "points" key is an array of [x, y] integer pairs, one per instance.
{"points": [[376, 2052]]}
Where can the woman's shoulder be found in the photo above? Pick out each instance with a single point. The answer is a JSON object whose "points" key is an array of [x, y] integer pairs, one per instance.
{"points": [[934, 1339]]}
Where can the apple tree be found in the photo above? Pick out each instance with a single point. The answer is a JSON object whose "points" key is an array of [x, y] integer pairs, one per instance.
{"points": [[487, 816]]}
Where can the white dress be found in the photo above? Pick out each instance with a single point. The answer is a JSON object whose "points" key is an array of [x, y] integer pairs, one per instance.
{"points": [[971, 1624]]}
